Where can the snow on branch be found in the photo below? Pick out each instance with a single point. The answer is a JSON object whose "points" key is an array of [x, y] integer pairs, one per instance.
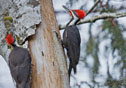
{"points": [[98, 17]]}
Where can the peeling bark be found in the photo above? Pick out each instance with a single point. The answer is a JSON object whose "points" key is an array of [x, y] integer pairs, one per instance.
{"points": [[49, 64]]}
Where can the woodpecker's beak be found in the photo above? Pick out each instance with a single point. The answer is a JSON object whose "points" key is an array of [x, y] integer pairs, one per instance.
{"points": [[66, 8]]}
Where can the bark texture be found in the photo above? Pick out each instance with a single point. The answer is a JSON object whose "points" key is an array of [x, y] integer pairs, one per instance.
{"points": [[25, 14], [49, 64]]}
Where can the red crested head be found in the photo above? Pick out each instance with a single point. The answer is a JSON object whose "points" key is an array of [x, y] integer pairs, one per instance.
{"points": [[10, 39], [80, 13]]}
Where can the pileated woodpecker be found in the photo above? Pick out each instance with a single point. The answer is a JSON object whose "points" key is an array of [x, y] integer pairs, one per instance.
{"points": [[72, 39], [19, 63]]}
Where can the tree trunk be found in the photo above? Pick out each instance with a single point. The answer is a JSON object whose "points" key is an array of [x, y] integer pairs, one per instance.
{"points": [[49, 68]]}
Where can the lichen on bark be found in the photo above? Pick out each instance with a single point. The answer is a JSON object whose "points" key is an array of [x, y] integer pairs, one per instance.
{"points": [[25, 14]]}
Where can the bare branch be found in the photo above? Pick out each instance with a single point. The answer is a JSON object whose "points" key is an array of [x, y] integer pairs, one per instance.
{"points": [[101, 16], [93, 6]]}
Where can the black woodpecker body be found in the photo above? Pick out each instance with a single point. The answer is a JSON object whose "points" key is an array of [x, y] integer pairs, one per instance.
{"points": [[20, 64], [71, 41]]}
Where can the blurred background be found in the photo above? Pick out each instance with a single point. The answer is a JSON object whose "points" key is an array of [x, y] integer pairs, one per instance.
{"points": [[103, 47]]}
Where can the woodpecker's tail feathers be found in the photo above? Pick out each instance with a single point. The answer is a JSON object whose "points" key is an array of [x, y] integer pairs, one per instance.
{"points": [[70, 69], [66, 8], [23, 85], [27, 85], [75, 70]]}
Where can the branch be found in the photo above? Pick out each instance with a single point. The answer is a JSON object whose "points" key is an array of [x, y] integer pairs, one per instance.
{"points": [[93, 7], [101, 16]]}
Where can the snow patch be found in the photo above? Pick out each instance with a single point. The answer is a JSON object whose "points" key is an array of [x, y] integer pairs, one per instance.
{"points": [[5, 76]]}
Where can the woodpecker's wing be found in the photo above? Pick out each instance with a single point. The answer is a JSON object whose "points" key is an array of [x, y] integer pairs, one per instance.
{"points": [[20, 66], [71, 41]]}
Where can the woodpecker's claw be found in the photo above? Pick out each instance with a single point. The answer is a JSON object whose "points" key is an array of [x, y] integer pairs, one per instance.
{"points": [[59, 39]]}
